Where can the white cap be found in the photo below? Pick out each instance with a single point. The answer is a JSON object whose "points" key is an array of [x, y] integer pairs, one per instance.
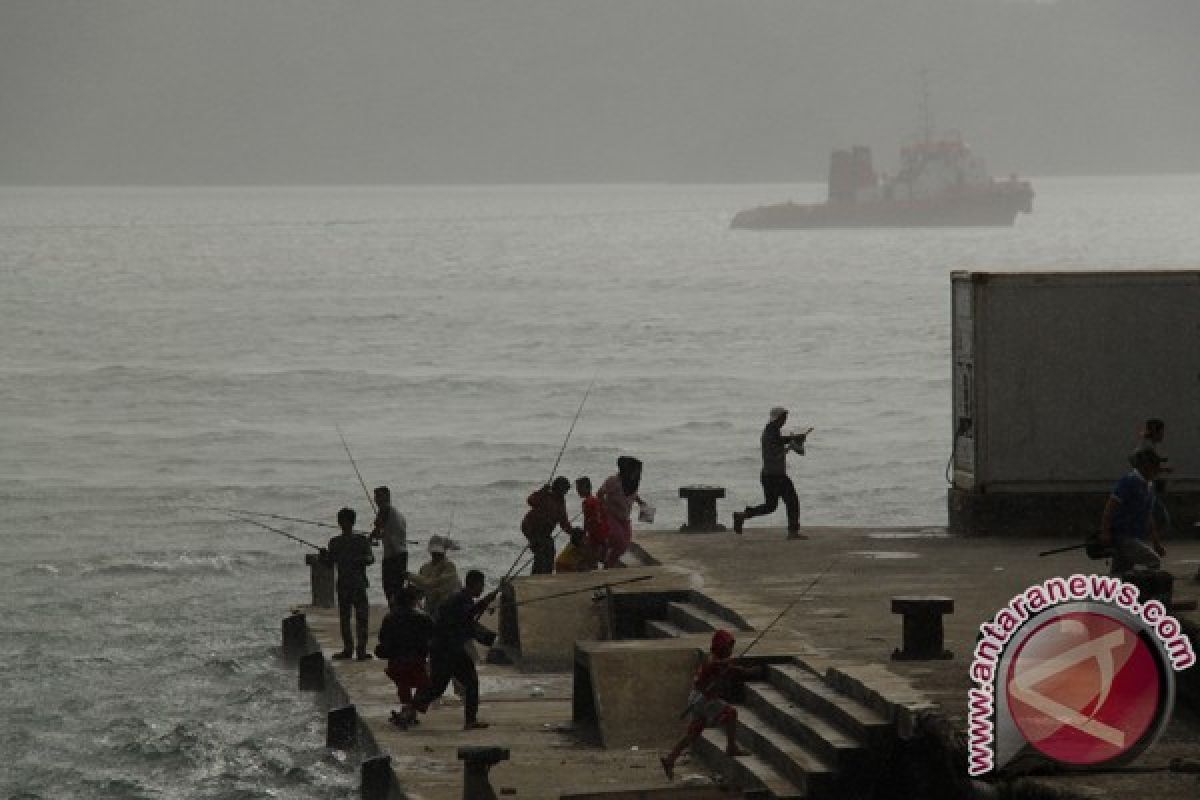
{"points": [[441, 544], [777, 412]]}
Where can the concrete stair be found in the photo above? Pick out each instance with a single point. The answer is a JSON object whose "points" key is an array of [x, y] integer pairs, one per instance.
{"points": [[694, 619], [800, 765], [805, 740], [809, 691], [662, 629], [750, 772], [828, 742]]}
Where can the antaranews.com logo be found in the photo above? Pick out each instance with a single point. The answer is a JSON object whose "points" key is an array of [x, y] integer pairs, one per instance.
{"points": [[1076, 668]]}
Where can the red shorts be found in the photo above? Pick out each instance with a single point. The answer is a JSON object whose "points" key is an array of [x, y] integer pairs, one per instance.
{"points": [[408, 674]]}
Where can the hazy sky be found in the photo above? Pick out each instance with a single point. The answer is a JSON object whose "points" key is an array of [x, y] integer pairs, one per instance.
{"points": [[392, 91]]}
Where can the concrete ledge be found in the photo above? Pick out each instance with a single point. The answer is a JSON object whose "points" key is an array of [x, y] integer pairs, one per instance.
{"points": [[635, 691], [885, 692], [544, 632]]}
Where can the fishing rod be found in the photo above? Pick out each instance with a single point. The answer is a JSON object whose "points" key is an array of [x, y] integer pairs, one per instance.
{"points": [[573, 591], [513, 569], [571, 430], [354, 464], [554, 469], [581, 591], [247, 512], [281, 533], [1062, 549], [789, 606], [237, 513]]}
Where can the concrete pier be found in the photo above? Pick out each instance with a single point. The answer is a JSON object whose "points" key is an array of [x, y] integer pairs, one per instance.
{"points": [[831, 707]]}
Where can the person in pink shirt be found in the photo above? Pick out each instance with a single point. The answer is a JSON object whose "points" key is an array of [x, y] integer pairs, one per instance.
{"points": [[617, 495]]}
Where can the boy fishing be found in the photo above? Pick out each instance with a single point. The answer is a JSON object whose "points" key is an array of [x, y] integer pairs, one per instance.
{"points": [[707, 705]]}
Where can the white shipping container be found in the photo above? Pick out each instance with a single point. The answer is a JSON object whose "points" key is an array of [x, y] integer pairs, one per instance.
{"points": [[1054, 373]]}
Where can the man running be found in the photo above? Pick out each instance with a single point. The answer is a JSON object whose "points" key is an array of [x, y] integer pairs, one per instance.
{"points": [[457, 624], [775, 481]]}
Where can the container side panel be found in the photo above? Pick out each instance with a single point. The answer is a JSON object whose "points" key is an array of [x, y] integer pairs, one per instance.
{"points": [[1073, 367]]}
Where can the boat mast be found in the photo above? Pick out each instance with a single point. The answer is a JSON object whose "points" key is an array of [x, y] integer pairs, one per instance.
{"points": [[926, 109]]}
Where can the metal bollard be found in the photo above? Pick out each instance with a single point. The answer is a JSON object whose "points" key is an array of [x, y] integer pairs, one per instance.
{"points": [[477, 762], [702, 508], [924, 636]]}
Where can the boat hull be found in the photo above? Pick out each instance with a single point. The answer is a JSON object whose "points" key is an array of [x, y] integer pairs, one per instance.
{"points": [[997, 209]]}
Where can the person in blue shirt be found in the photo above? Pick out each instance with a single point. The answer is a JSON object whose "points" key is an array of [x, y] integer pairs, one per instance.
{"points": [[1128, 524]]}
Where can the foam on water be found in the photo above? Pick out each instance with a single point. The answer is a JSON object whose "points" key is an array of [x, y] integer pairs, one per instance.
{"points": [[173, 347]]}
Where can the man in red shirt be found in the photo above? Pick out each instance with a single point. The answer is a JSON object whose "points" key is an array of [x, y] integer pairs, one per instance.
{"points": [[547, 510], [706, 703]]}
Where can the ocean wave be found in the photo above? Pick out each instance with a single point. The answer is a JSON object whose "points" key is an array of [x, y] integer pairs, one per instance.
{"points": [[182, 564]]}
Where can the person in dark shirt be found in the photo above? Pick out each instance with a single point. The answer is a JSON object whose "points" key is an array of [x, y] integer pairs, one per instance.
{"points": [[404, 641], [457, 624], [775, 481], [350, 552], [547, 510], [1128, 523]]}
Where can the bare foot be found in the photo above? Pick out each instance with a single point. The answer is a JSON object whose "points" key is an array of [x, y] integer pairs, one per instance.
{"points": [[668, 767]]}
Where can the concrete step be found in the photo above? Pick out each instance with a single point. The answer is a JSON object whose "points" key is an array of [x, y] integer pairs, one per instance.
{"points": [[748, 773], [829, 742], [662, 629], [799, 764], [808, 691], [694, 619]]}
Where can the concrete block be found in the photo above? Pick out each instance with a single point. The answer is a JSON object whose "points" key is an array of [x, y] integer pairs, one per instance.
{"points": [[312, 672], [637, 690], [321, 580], [341, 728], [377, 778], [547, 630], [295, 636]]}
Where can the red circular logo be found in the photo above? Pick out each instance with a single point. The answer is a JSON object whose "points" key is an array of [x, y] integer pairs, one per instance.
{"points": [[1084, 688]]}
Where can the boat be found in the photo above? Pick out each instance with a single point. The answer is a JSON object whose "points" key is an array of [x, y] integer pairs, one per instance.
{"points": [[941, 183]]}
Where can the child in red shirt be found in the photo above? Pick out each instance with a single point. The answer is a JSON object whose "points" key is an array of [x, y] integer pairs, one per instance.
{"points": [[706, 706], [595, 526]]}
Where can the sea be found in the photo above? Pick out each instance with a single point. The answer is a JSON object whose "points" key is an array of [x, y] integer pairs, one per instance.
{"points": [[163, 349]]}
